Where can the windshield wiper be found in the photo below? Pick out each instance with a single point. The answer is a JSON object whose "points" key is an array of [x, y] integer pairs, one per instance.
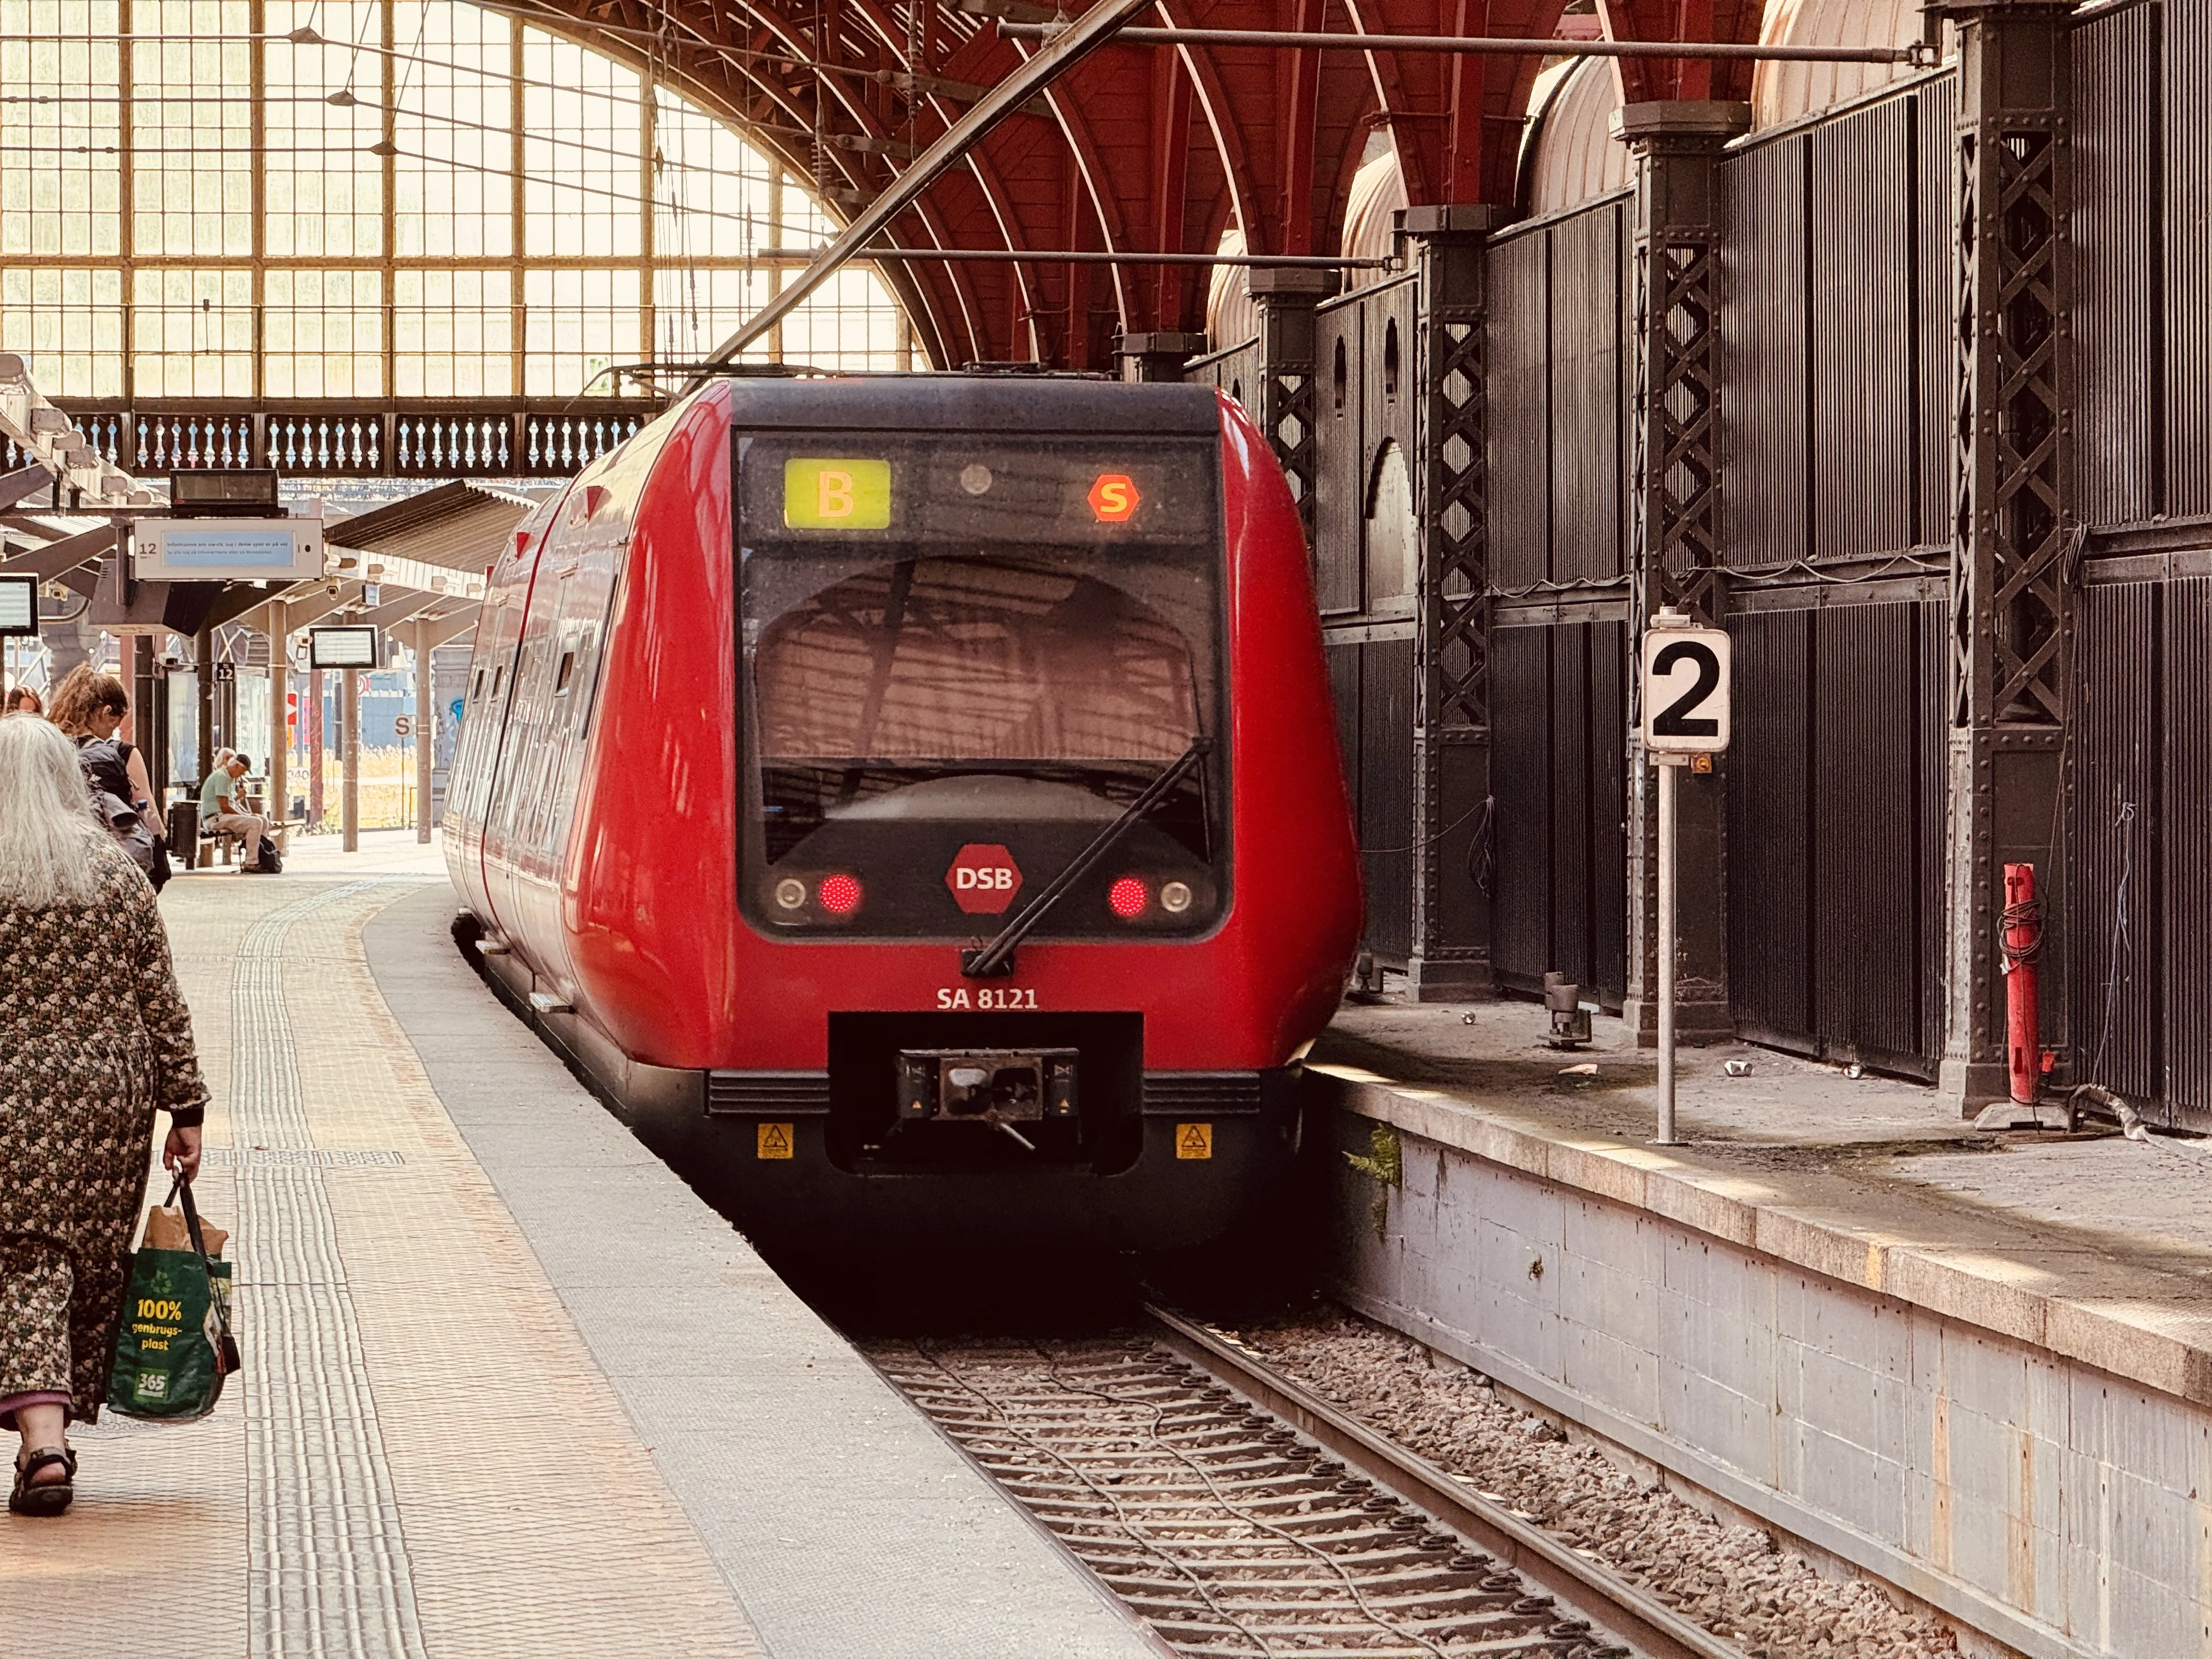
{"points": [[997, 958]]}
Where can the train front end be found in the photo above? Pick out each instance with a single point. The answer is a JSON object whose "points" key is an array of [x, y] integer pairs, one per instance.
{"points": [[1043, 871]]}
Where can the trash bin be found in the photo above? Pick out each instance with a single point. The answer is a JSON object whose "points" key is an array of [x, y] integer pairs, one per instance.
{"points": [[185, 832]]}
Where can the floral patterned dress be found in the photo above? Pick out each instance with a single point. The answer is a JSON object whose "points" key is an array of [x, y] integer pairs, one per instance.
{"points": [[93, 1039]]}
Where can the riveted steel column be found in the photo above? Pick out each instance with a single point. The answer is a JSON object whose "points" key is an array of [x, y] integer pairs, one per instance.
{"points": [[1450, 958], [1285, 408], [2011, 640], [1156, 357], [1674, 496]]}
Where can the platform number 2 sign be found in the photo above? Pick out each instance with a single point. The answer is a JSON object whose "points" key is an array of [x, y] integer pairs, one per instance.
{"points": [[1686, 690]]}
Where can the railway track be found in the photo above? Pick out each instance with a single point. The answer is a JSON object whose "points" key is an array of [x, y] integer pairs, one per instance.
{"points": [[1242, 1516]]}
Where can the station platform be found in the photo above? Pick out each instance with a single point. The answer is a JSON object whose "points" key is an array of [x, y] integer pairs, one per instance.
{"points": [[2095, 1245], [510, 1388], [1976, 1363]]}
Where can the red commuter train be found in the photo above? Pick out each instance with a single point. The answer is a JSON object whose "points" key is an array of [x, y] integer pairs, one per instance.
{"points": [[915, 803]]}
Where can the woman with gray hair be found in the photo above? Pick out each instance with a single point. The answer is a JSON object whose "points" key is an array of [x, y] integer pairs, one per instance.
{"points": [[93, 1039]]}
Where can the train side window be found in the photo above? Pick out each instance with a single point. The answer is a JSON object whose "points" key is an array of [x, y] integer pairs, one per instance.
{"points": [[1390, 358], [498, 679], [1340, 375], [476, 686], [567, 672]]}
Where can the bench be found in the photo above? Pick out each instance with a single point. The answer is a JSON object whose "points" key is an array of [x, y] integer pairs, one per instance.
{"points": [[205, 845]]}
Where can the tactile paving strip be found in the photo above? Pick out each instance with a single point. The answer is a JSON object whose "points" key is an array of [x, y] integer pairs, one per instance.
{"points": [[330, 1571], [323, 1158], [423, 1455]]}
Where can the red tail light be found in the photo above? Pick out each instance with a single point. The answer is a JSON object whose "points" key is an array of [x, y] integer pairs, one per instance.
{"points": [[840, 895], [1128, 897]]}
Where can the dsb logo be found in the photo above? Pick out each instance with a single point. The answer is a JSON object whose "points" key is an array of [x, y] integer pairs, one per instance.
{"points": [[984, 879]]}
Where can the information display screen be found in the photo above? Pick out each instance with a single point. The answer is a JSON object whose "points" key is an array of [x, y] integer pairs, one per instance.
{"points": [[342, 648], [228, 550], [974, 489], [833, 494], [19, 604], [218, 544]]}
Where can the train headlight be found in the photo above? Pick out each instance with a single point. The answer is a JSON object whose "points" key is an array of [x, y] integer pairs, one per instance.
{"points": [[1174, 897], [1128, 897], [840, 895], [791, 892]]}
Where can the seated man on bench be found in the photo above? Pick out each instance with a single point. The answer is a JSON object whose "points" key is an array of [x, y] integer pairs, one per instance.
{"points": [[219, 814]]}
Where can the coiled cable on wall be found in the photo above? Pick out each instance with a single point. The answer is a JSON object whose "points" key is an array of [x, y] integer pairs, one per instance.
{"points": [[2028, 913]]}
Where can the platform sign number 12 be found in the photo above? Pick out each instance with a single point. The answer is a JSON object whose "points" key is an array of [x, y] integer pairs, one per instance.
{"points": [[1686, 690]]}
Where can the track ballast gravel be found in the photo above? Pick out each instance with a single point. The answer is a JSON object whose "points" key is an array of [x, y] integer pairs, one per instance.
{"points": [[1732, 1580]]}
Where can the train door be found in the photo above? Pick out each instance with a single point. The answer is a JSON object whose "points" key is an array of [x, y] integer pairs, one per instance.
{"points": [[486, 733], [577, 590], [520, 778], [482, 708]]}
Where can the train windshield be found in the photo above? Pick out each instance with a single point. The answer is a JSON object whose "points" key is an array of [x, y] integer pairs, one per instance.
{"points": [[951, 639]]}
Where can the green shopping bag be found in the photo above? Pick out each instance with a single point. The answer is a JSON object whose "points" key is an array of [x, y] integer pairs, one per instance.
{"points": [[173, 1348]]}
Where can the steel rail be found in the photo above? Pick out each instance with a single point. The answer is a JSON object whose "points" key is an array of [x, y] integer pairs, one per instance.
{"points": [[1919, 55], [1059, 55], [1628, 1612]]}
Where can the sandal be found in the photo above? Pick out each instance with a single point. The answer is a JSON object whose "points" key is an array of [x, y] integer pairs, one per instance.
{"points": [[49, 1497]]}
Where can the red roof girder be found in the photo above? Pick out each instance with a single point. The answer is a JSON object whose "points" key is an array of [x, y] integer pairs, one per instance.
{"points": [[1139, 149], [1659, 79]]}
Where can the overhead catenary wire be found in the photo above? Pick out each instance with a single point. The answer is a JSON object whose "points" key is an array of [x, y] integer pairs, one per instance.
{"points": [[1094, 257], [1918, 54]]}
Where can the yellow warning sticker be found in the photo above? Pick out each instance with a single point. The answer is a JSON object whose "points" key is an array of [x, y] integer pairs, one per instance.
{"points": [[1193, 1140], [772, 1141]]}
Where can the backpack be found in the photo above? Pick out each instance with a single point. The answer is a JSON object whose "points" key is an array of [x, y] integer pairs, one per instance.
{"points": [[107, 778], [270, 862]]}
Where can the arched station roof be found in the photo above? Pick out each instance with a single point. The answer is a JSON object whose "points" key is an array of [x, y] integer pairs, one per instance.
{"points": [[1137, 149]]}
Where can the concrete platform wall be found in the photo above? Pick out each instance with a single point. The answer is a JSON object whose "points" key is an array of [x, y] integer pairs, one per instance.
{"points": [[2051, 1505]]}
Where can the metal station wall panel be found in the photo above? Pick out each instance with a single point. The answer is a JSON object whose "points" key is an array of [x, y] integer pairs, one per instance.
{"points": [[1935, 185], [2185, 828], [1571, 952], [1343, 660], [1516, 344], [1340, 469], [1588, 390], [1769, 896], [2115, 879], [1559, 778], [1386, 792], [1235, 372], [1520, 775], [2117, 161], [1934, 632], [1764, 373], [1387, 411], [1866, 842], [1862, 327], [2187, 262], [1836, 807], [1608, 809]]}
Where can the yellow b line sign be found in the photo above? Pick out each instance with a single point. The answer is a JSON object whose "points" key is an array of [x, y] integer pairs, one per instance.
{"points": [[832, 494]]}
